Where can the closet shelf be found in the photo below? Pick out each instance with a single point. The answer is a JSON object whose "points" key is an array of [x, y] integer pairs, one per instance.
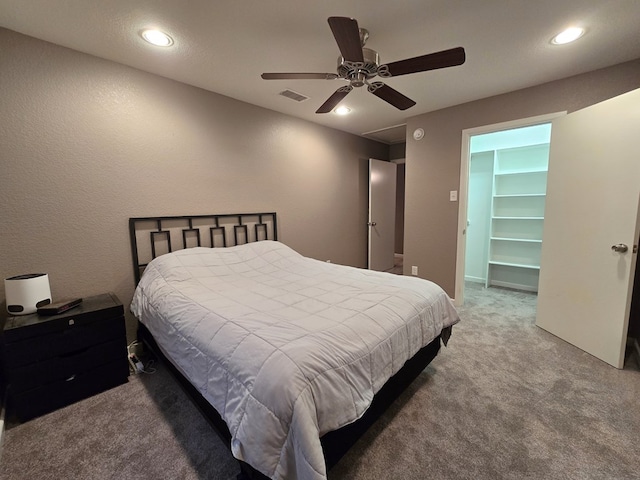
{"points": [[520, 172], [516, 265], [517, 218], [511, 239], [515, 195]]}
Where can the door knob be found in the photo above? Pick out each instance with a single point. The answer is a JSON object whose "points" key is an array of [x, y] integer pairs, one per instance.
{"points": [[372, 224], [620, 248]]}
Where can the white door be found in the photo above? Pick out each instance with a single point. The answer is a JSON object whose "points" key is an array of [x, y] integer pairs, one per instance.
{"points": [[593, 190], [382, 214]]}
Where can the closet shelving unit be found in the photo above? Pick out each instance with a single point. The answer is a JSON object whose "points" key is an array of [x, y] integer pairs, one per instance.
{"points": [[517, 216]]}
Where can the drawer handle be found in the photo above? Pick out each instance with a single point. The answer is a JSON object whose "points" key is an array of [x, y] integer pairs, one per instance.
{"points": [[71, 378]]}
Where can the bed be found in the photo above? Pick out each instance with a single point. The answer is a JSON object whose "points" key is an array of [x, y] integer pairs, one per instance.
{"points": [[290, 358]]}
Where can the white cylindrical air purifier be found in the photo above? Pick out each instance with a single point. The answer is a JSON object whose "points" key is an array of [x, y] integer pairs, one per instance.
{"points": [[26, 293]]}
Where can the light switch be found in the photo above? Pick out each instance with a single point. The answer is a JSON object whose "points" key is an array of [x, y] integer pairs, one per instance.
{"points": [[453, 196]]}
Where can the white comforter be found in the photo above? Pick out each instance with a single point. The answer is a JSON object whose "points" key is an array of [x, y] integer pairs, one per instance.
{"points": [[286, 348]]}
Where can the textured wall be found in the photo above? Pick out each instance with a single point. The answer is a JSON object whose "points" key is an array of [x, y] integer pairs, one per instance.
{"points": [[86, 143], [433, 163]]}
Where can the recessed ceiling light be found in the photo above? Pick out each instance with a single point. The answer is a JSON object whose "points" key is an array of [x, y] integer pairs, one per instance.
{"points": [[567, 36], [156, 37], [342, 110]]}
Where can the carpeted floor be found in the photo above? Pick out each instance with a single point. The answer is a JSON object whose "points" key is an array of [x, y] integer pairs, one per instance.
{"points": [[505, 400]]}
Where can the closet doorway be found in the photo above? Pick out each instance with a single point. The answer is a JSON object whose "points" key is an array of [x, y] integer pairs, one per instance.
{"points": [[502, 198]]}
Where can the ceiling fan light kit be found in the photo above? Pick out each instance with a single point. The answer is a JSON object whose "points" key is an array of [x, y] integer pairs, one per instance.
{"points": [[359, 65]]}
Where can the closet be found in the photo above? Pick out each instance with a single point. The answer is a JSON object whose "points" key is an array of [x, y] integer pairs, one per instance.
{"points": [[517, 217], [507, 188]]}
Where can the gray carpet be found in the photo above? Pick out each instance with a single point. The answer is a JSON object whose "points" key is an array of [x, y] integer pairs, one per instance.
{"points": [[505, 400], [145, 429]]}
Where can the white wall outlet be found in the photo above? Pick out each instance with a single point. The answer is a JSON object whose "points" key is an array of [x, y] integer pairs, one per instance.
{"points": [[414, 270], [328, 261], [453, 196]]}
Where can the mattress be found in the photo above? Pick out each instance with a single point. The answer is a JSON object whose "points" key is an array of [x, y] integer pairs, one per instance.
{"points": [[285, 347]]}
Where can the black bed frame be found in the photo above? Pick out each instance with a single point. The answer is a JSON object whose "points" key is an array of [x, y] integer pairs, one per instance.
{"points": [[162, 229], [167, 234]]}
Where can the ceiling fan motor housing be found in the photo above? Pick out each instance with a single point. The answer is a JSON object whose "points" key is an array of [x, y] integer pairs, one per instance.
{"points": [[357, 72]]}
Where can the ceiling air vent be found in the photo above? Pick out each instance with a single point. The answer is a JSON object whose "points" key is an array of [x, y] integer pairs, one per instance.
{"points": [[298, 97]]}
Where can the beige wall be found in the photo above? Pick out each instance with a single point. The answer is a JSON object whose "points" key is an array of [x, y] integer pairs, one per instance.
{"points": [[433, 163], [397, 151], [86, 143]]}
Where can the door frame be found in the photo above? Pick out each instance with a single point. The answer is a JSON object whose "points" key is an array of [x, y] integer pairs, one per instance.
{"points": [[463, 194], [403, 162]]}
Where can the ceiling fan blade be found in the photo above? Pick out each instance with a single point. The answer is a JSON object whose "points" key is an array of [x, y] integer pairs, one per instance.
{"points": [[347, 34], [299, 76], [390, 95], [334, 99], [431, 61]]}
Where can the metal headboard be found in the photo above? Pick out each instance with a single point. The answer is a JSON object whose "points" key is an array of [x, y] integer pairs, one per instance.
{"points": [[155, 236]]}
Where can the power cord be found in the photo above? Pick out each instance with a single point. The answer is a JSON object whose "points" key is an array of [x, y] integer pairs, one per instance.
{"points": [[135, 363]]}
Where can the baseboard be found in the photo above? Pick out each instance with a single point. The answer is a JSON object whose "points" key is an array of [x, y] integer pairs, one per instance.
{"points": [[515, 286], [474, 279]]}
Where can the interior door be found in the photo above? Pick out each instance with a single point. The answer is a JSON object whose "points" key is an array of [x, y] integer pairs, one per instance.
{"points": [[382, 214], [591, 227]]}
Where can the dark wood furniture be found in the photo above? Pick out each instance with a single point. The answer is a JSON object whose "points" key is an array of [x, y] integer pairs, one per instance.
{"points": [[153, 236], [51, 361]]}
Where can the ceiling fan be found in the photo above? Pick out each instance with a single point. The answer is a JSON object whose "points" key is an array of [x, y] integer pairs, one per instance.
{"points": [[358, 65]]}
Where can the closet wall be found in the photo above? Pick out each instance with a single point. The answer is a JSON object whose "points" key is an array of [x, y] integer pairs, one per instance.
{"points": [[507, 186]]}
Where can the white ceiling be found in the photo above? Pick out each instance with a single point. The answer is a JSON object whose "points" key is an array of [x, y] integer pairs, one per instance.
{"points": [[224, 46]]}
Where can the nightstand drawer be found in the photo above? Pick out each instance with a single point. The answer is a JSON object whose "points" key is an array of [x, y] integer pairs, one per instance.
{"points": [[65, 366], [63, 342], [51, 361], [37, 401]]}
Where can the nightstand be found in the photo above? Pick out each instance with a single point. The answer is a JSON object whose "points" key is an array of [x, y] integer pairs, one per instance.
{"points": [[51, 361]]}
